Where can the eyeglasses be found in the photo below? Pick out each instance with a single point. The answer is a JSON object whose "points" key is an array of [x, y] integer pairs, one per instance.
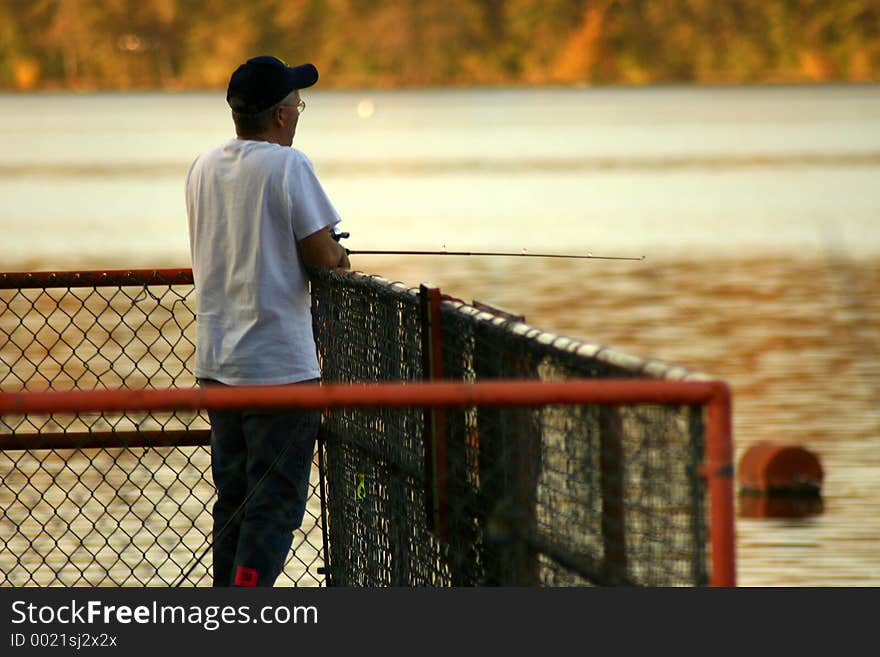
{"points": [[300, 106]]}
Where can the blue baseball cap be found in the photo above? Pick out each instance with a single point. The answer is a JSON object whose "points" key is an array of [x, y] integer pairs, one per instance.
{"points": [[264, 81]]}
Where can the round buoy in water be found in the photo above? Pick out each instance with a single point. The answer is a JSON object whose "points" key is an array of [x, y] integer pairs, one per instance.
{"points": [[779, 481]]}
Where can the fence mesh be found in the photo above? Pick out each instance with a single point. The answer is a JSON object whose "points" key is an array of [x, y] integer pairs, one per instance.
{"points": [[552, 496], [538, 496], [109, 499]]}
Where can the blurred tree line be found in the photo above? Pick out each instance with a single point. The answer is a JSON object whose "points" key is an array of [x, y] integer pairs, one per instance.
{"points": [[184, 44]]}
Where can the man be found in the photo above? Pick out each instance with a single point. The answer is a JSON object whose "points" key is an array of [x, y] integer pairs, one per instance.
{"points": [[257, 217]]}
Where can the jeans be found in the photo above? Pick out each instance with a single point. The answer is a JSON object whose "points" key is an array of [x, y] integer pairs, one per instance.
{"points": [[256, 513]]}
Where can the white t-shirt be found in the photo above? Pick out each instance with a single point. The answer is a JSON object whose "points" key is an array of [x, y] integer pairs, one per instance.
{"points": [[248, 204]]}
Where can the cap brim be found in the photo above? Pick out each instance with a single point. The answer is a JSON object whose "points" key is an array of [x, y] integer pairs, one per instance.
{"points": [[303, 76]]}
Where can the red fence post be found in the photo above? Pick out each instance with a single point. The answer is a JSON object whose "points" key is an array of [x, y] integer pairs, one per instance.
{"points": [[435, 419], [719, 473], [611, 475]]}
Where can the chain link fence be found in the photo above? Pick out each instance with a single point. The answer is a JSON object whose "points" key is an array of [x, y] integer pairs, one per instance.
{"points": [[544, 496], [110, 499], [566, 495]]}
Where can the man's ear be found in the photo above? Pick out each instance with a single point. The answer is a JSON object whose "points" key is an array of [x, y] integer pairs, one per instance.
{"points": [[278, 117]]}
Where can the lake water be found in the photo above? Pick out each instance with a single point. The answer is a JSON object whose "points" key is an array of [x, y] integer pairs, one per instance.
{"points": [[757, 209]]}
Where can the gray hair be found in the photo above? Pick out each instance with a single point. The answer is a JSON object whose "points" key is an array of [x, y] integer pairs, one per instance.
{"points": [[255, 125]]}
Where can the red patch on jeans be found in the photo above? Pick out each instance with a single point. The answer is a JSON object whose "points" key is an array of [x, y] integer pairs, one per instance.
{"points": [[246, 576]]}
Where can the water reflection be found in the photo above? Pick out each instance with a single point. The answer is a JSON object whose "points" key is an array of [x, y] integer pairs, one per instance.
{"points": [[778, 506]]}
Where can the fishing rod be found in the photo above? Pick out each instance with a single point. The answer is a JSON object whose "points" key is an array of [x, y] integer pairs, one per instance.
{"points": [[524, 254], [445, 252]]}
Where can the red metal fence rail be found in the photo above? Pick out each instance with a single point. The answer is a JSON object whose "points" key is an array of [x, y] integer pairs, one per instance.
{"points": [[717, 467]]}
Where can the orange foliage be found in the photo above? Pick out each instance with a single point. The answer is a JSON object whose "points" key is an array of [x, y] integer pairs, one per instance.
{"points": [[25, 73], [577, 60]]}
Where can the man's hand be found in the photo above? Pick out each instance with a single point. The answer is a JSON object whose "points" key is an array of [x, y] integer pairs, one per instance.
{"points": [[321, 250]]}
